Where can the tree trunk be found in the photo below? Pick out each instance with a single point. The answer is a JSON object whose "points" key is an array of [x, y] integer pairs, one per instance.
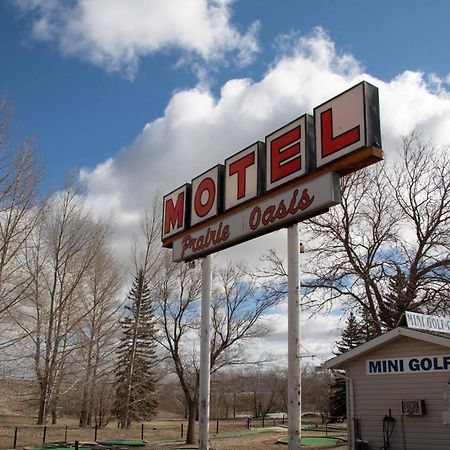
{"points": [[83, 416], [86, 405], [86, 397], [42, 412], [192, 412], [42, 409]]}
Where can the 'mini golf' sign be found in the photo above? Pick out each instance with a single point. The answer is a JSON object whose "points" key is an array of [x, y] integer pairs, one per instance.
{"points": [[410, 364], [266, 186]]}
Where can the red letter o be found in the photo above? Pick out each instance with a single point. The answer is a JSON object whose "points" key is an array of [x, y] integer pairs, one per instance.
{"points": [[203, 208]]}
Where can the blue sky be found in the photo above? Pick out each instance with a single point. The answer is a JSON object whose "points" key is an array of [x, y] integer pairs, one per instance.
{"points": [[140, 96], [84, 114]]}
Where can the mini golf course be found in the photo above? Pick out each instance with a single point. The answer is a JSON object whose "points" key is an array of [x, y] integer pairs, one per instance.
{"points": [[124, 444]]}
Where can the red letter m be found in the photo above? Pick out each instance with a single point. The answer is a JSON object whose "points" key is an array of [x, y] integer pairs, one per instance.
{"points": [[174, 214]]}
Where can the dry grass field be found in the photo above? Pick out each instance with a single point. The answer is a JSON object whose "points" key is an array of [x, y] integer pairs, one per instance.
{"points": [[160, 434], [164, 432]]}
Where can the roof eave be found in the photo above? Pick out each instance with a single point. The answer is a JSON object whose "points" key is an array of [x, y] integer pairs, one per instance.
{"points": [[338, 362]]}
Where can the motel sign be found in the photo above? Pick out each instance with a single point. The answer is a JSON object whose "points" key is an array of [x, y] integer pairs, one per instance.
{"points": [[293, 175]]}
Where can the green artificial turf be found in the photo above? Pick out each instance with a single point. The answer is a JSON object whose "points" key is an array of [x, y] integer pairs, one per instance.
{"points": [[316, 440], [127, 442], [60, 448]]}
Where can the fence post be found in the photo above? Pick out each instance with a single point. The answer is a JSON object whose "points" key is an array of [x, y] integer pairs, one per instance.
{"points": [[182, 430], [217, 426], [263, 421], [65, 434], [142, 432], [76, 445], [15, 438], [248, 423], [44, 434], [283, 419], [95, 433]]}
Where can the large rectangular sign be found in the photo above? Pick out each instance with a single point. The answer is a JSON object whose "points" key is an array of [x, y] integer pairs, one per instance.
{"points": [[408, 364], [347, 123], [343, 136], [289, 206], [426, 322]]}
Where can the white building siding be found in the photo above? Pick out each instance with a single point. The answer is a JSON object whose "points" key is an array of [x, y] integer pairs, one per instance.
{"points": [[374, 395]]}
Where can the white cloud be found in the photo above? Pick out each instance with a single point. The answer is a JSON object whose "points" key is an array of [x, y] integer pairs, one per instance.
{"points": [[318, 335], [115, 34], [414, 101]]}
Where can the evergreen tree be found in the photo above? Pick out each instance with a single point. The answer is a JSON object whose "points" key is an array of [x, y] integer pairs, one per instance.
{"points": [[352, 336], [136, 357], [397, 300], [368, 328]]}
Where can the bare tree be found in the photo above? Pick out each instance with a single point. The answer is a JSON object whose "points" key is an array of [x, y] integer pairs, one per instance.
{"points": [[47, 251], [178, 289], [230, 392], [266, 389], [98, 333], [315, 389], [237, 306], [60, 256], [19, 214], [386, 248]]}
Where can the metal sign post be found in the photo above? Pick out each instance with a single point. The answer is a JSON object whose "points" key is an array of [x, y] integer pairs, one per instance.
{"points": [[294, 374], [205, 355]]}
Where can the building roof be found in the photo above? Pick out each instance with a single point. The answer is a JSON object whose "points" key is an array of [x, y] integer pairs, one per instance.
{"points": [[342, 360]]}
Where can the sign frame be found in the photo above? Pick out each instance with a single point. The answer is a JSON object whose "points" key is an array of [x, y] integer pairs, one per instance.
{"points": [[260, 152], [369, 136]]}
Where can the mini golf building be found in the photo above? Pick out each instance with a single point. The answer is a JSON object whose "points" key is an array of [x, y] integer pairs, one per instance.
{"points": [[398, 391]]}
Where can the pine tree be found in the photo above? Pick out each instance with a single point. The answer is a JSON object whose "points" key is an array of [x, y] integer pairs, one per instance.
{"points": [[135, 398], [368, 328], [398, 300], [352, 336]]}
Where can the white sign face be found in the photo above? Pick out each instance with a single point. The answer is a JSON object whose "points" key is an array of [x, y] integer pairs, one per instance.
{"points": [[205, 195], [271, 213], [241, 175], [174, 211], [409, 364], [343, 125], [286, 153], [426, 322]]}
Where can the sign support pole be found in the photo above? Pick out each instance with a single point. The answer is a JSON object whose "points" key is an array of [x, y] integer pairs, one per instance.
{"points": [[205, 359], [294, 374]]}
